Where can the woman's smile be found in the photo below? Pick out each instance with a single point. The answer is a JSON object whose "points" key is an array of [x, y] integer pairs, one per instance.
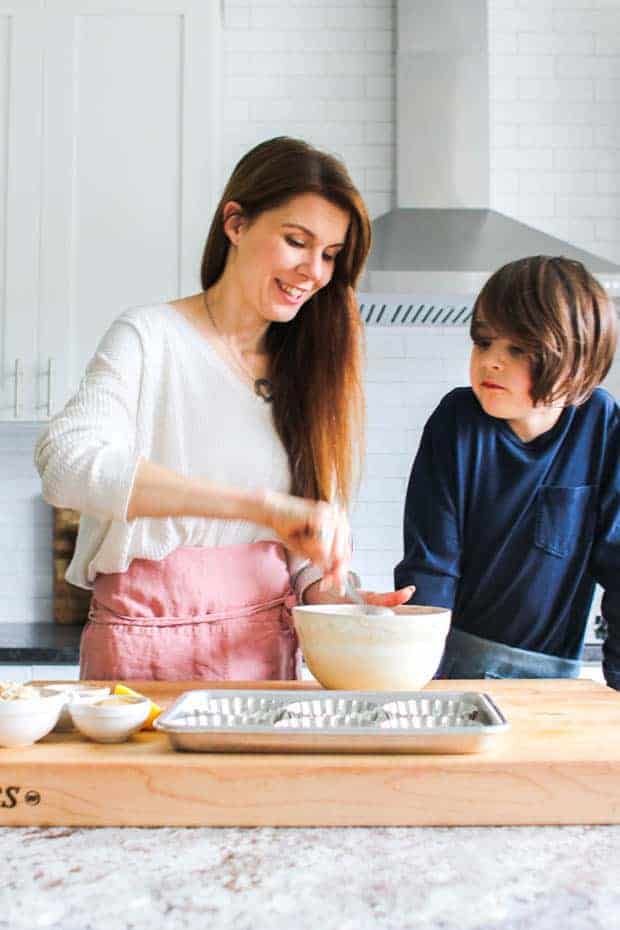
{"points": [[293, 294]]}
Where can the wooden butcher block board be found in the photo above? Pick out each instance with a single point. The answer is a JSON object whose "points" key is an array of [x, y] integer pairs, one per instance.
{"points": [[559, 763]]}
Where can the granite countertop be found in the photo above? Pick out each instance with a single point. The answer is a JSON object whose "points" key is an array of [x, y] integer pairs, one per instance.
{"points": [[40, 642], [433, 878]]}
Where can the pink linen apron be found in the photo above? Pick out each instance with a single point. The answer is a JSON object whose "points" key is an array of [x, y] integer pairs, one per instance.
{"points": [[200, 613]]}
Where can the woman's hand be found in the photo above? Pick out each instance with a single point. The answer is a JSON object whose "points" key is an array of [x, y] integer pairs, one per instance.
{"points": [[313, 529]]}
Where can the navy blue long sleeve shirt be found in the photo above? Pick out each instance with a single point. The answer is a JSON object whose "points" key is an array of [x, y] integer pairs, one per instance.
{"points": [[512, 535]]}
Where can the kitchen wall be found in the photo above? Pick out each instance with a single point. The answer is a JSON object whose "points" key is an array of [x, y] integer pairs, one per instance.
{"points": [[320, 70], [555, 100], [324, 71]]}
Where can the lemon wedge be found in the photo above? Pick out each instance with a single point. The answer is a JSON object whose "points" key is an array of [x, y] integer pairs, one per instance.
{"points": [[154, 712]]}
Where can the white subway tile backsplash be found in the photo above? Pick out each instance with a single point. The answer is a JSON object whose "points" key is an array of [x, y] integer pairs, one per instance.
{"points": [[312, 111], [556, 182], [383, 441], [504, 88], [361, 18], [503, 135], [530, 137], [236, 17], [572, 137], [520, 65], [385, 343], [364, 513], [377, 537], [505, 182], [575, 21], [282, 16], [607, 229], [535, 208], [503, 20], [608, 183], [536, 112], [379, 87], [384, 370], [606, 44], [593, 206], [379, 40], [386, 465], [550, 43], [585, 159], [607, 89], [569, 89], [364, 63], [376, 582], [380, 416], [378, 203], [607, 137], [585, 66], [378, 562], [382, 489]]}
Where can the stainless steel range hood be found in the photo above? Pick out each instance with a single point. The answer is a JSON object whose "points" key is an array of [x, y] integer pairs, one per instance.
{"points": [[432, 254]]}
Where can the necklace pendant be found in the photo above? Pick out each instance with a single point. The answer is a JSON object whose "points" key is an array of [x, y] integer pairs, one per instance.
{"points": [[264, 388]]}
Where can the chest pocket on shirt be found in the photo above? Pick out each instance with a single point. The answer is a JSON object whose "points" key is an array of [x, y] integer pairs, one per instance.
{"points": [[563, 517]]}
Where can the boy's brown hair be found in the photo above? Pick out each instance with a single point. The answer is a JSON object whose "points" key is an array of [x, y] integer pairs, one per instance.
{"points": [[561, 316]]}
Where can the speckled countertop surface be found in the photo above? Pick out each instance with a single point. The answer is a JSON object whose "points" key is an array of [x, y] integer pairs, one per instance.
{"points": [[482, 878]]}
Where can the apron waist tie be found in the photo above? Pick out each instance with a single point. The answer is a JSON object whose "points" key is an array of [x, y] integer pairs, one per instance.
{"points": [[100, 613]]}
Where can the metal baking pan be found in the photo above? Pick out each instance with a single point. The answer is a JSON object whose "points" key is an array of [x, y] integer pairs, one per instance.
{"points": [[332, 721]]}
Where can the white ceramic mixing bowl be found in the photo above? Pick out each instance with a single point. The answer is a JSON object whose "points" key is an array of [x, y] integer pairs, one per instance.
{"points": [[346, 650]]}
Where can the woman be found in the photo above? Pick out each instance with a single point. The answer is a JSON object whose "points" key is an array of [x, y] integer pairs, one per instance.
{"points": [[211, 446]]}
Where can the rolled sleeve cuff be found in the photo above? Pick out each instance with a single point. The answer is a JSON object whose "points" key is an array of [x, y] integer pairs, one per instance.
{"points": [[431, 590], [305, 576]]}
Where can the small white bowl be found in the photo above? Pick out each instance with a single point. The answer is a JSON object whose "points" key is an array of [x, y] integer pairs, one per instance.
{"points": [[75, 692], [110, 723], [351, 651], [26, 720]]}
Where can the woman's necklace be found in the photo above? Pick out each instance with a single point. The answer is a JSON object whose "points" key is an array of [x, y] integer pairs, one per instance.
{"points": [[262, 386]]}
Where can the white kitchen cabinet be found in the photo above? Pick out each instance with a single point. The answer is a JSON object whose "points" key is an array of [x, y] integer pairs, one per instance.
{"points": [[21, 118], [109, 160]]}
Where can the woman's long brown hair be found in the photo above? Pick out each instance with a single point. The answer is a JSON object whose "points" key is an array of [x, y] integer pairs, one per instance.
{"points": [[315, 359]]}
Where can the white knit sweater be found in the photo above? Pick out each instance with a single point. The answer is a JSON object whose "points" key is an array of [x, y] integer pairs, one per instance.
{"points": [[157, 389]]}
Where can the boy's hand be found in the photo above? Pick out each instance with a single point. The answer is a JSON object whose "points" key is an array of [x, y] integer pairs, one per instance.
{"points": [[317, 593], [389, 598]]}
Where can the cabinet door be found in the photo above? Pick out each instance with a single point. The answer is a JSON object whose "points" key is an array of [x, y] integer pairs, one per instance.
{"points": [[21, 128], [130, 166]]}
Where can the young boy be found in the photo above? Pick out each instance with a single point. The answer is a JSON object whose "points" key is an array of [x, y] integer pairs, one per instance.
{"points": [[513, 504]]}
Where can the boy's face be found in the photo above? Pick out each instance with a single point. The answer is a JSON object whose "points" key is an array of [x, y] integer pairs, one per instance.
{"points": [[501, 378]]}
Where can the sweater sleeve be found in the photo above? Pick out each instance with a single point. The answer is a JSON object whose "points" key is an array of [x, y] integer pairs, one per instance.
{"points": [[303, 574], [86, 456], [432, 549], [605, 560]]}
